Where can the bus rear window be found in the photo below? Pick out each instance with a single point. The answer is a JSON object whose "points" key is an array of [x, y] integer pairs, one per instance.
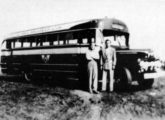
{"points": [[18, 44]]}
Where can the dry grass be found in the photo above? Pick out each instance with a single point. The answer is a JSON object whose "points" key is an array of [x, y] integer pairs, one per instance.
{"points": [[21, 101]]}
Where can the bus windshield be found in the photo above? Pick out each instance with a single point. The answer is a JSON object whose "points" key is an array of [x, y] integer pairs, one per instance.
{"points": [[117, 39]]}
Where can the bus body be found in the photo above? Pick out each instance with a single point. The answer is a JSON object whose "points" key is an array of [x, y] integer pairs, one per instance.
{"points": [[59, 51]]}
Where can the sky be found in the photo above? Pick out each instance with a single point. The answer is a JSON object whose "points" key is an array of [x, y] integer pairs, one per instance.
{"points": [[144, 18]]}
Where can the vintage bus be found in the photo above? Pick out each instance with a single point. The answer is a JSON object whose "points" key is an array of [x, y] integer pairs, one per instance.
{"points": [[59, 51]]}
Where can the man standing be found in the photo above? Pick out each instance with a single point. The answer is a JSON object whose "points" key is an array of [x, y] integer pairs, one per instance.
{"points": [[92, 55], [109, 63]]}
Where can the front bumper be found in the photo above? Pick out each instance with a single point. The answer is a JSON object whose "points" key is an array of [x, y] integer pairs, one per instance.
{"points": [[153, 75]]}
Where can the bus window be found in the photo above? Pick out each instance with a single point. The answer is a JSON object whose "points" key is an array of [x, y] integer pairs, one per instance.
{"points": [[117, 39], [84, 40], [88, 36], [29, 42], [50, 42], [45, 41], [62, 39], [41, 40], [122, 40], [18, 44], [52, 38], [61, 42], [26, 43], [34, 44], [38, 42], [13, 44], [69, 39], [73, 41], [89, 40], [69, 36], [55, 42]]}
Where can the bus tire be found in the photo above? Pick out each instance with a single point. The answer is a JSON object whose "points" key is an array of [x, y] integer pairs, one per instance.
{"points": [[28, 76], [128, 76], [124, 79]]}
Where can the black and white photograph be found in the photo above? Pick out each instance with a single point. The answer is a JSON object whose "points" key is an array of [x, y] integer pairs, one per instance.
{"points": [[82, 60]]}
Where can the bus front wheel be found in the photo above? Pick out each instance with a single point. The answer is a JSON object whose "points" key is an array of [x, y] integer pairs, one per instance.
{"points": [[124, 78]]}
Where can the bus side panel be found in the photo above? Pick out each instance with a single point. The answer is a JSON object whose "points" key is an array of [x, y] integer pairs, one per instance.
{"points": [[66, 62], [70, 66]]}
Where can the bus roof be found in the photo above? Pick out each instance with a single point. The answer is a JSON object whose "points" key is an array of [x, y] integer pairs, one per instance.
{"points": [[106, 23]]}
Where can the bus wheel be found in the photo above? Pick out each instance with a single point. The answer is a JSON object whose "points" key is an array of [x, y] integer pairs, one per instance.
{"points": [[124, 79], [128, 76], [28, 76]]}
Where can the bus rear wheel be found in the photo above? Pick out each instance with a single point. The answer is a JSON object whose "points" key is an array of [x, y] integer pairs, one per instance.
{"points": [[28, 76]]}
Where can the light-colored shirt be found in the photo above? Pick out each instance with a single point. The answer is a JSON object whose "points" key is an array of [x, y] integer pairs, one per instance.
{"points": [[92, 54]]}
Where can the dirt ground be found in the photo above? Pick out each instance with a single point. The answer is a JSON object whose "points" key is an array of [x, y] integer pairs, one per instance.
{"points": [[26, 101]]}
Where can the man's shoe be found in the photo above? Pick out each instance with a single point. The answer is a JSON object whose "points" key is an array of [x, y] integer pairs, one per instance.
{"points": [[90, 91], [95, 91]]}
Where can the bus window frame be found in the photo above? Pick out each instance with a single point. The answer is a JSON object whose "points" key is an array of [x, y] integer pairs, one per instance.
{"points": [[19, 44], [78, 35]]}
